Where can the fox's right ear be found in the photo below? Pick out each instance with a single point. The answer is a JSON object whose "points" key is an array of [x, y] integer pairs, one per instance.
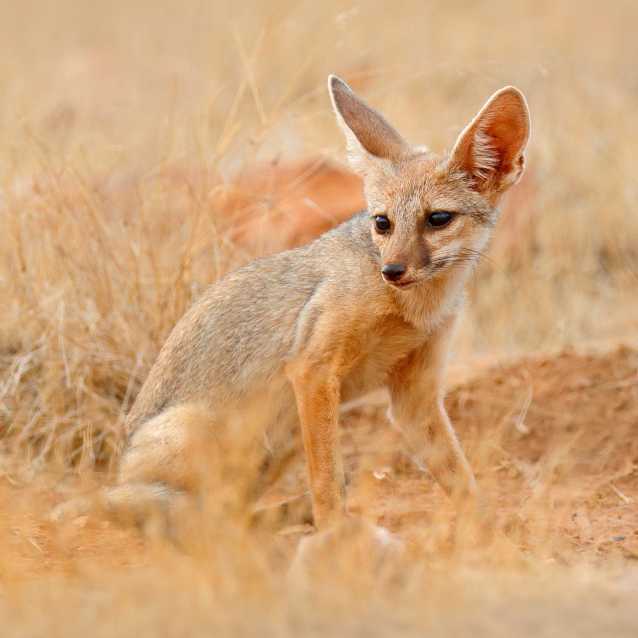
{"points": [[491, 149], [368, 134]]}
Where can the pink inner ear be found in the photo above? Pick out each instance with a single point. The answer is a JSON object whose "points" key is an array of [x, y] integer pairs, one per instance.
{"points": [[489, 149], [508, 131]]}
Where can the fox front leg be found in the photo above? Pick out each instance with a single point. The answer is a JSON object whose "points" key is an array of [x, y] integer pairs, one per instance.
{"points": [[316, 390], [417, 408]]}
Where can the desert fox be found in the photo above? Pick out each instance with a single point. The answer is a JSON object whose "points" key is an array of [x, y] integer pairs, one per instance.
{"points": [[368, 304]]}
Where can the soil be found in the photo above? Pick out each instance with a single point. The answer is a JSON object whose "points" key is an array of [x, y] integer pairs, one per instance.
{"points": [[553, 439]]}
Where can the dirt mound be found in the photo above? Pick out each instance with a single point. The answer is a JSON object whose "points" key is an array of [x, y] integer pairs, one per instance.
{"points": [[553, 441]]}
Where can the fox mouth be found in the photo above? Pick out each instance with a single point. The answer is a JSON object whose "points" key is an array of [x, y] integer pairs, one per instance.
{"points": [[403, 284]]}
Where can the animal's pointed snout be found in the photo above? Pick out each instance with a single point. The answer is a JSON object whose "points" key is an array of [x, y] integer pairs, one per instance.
{"points": [[393, 272]]}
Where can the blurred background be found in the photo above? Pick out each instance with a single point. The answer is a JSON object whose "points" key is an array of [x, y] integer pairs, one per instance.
{"points": [[146, 148]]}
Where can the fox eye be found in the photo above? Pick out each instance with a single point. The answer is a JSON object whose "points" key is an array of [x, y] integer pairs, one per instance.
{"points": [[439, 218], [381, 224]]}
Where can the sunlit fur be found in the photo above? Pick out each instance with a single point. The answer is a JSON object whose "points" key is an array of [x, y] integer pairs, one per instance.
{"points": [[291, 336]]}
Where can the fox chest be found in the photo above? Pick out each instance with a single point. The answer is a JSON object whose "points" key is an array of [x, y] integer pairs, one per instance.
{"points": [[381, 349]]}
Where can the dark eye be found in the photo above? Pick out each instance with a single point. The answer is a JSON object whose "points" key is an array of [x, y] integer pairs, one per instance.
{"points": [[382, 224], [439, 218]]}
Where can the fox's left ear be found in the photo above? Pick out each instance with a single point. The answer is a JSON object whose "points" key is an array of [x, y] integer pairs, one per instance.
{"points": [[491, 148]]}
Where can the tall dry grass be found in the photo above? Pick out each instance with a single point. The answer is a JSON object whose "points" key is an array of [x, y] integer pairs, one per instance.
{"points": [[120, 126]]}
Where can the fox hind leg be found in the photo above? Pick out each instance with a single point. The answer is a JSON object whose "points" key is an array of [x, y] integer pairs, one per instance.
{"points": [[159, 471]]}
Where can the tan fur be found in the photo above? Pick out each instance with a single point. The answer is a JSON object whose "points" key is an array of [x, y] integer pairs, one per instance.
{"points": [[301, 331]]}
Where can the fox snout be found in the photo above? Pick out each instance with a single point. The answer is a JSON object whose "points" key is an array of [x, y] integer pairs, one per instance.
{"points": [[400, 274], [408, 266], [393, 271]]}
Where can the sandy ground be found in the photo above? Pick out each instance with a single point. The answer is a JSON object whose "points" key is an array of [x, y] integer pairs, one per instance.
{"points": [[553, 438]]}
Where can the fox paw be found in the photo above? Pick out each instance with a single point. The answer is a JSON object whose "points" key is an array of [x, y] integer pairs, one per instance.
{"points": [[353, 546]]}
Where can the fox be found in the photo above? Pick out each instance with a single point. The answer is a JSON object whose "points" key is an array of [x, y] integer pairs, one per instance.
{"points": [[371, 303]]}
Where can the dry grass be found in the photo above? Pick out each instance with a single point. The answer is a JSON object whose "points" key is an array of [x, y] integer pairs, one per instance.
{"points": [[123, 130]]}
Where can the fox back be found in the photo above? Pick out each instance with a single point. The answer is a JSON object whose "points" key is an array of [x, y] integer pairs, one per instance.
{"points": [[429, 218]]}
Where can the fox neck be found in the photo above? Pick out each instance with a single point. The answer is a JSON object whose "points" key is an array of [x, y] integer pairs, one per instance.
{"points": [[427, 305]]}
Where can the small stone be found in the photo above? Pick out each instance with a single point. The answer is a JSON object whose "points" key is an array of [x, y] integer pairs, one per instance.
{"points": [[80, 521], [381, 473]]}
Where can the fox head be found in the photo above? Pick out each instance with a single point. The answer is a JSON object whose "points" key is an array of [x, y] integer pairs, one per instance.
{"points": [[428, 213]]}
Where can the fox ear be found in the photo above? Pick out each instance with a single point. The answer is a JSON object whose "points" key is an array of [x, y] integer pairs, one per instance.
{"points": [[491, 148], [367, 132]]}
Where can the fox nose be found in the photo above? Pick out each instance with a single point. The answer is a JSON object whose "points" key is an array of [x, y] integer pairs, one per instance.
{"points": [[393, 272]]}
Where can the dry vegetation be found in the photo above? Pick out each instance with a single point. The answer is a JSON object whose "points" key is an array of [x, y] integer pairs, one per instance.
{"points": [[147, 148]]}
